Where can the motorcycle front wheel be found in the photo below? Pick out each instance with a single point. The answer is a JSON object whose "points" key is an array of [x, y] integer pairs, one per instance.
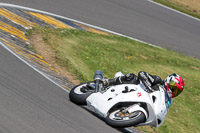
{"points": [[79, 93], [119, 119]]}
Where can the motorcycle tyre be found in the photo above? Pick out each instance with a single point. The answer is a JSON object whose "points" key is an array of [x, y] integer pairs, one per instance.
{"points": [[126, 123], [79, 99]]}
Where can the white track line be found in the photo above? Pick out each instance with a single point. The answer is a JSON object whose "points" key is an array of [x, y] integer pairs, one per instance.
{"points": [[169, 8]]}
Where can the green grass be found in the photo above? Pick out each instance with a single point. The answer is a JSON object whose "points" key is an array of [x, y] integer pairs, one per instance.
{"points": [[178, 7], [82, 53]]}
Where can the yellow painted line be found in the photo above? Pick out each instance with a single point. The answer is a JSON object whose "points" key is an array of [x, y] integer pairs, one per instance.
{"points": [[14, 48], [53, 69], [2, 39], [39, 56], [40, 60], [17, 19], [12, 30], [9, 44], [93, 30], [66, 87], [49, 20]]}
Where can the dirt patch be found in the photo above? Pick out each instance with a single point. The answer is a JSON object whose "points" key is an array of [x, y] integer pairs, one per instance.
{"points": [[192, 5], [196, 68], [48, 54]]}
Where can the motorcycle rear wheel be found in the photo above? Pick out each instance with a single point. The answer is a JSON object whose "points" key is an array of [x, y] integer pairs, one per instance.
{"points": [[79, 93], [119, 119]]}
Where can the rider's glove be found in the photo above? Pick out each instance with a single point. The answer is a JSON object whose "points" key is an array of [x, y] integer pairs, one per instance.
{"points": [[129, 77]]}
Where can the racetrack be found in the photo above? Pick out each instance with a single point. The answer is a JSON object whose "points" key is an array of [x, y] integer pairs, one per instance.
{"points": [[140, 19], [31, 103]]}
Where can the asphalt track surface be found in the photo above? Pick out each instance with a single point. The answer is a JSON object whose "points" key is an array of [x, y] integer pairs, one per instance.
{"points": [[30, 103]]}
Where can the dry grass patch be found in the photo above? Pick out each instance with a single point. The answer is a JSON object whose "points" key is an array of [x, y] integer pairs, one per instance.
{"points": [[192, 5]]}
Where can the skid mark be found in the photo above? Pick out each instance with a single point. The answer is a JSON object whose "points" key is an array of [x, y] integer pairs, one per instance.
{"points": [[15, 18], [49, 20]]}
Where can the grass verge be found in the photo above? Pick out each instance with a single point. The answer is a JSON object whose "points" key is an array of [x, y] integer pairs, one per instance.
{"points": [[182, 7], [82, 53]]}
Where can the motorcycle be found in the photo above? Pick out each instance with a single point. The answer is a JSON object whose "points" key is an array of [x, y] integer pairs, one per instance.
{"points": [[122, 105]]}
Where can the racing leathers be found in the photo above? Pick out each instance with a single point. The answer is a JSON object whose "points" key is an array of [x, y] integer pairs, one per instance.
{"points": [[151, 82]]}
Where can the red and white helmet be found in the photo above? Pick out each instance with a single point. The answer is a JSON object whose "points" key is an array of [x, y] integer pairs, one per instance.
{"points": [[175, 84]]}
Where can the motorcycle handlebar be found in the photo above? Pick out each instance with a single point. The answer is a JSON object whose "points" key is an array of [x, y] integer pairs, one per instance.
{"points": [[98, 76], [97, 82]]}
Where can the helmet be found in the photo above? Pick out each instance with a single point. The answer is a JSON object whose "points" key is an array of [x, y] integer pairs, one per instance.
{"points": [[175, 84]]}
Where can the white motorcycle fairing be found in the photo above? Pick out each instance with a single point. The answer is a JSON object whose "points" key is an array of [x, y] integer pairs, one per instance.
{"points": [[102, 102]]}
